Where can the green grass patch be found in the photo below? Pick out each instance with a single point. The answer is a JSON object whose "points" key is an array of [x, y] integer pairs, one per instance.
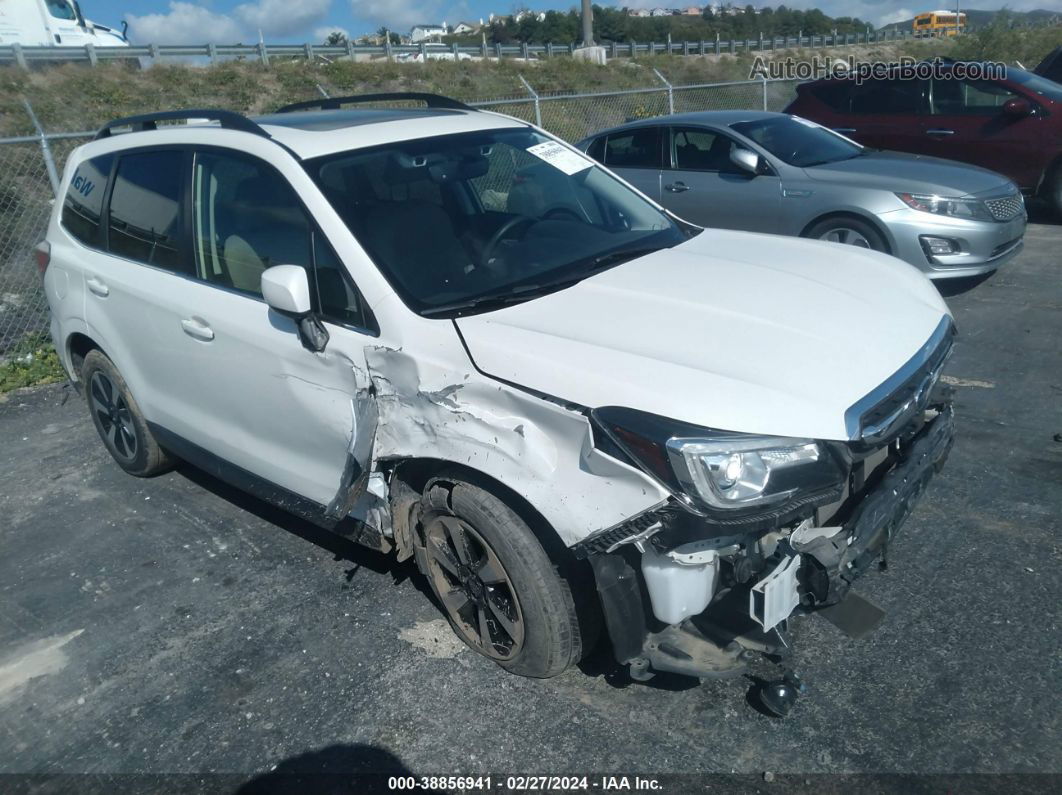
{"points": [[33, 362]]}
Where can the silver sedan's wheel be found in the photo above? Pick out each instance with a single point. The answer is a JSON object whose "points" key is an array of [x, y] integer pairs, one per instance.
{"points": [[846, 235], [849, 231]]}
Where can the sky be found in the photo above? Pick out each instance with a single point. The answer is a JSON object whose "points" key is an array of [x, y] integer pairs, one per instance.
{"points": [[228, 21]]}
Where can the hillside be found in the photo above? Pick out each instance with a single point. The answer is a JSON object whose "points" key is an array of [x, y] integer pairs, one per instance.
{"points": [[977, 19], [74, 97]]}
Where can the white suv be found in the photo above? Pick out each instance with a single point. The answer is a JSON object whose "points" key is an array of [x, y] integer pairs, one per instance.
{"points": [[446, 333]]}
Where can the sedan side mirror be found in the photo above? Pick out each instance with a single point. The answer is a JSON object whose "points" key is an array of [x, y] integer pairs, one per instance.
{"points": [[1017, 108], [745, 160], [287, 290]]}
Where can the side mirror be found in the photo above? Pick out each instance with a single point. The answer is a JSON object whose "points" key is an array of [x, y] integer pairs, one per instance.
{"points": [[1017, 108], [287, 290], [745, 160]]}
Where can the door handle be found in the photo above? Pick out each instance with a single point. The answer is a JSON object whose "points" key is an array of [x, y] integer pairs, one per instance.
{"points": [[677, 187], [194, 327], [97, 287], [844, 130], [940, 132]]}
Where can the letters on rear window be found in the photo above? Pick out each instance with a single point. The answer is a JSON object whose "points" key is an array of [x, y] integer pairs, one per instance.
{"points": [[83, 204]]}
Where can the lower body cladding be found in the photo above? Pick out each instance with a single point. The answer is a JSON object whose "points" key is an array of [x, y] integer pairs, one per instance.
{"points": [[706, 607]]}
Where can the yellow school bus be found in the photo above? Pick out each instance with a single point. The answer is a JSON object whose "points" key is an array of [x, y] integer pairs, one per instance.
{"points": [[937, 24]]}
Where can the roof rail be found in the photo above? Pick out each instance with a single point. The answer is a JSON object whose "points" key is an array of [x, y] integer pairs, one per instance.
{"points": [[335, 103], [228, 119]]}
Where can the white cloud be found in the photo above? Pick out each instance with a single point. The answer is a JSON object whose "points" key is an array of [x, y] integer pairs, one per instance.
{"points": [[282, 17], [899, 15], [322, 34], [185, 23], [398, 15], [194, 23]]}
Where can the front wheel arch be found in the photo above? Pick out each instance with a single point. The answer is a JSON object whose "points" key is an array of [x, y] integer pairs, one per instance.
{"points": [[842, 215]]}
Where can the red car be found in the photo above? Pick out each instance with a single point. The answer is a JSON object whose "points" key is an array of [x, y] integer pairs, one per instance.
{"points": [[1013, 126]]}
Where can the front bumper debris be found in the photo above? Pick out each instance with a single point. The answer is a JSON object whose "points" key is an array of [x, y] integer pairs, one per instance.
{"points": [[808, 571]]}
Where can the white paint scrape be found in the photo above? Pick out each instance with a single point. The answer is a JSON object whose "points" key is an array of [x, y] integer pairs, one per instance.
{"points": [[436, 638], [32, 660]]}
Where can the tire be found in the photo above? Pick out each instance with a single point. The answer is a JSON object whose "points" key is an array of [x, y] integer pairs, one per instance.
{"points": [[849, 230], [118, 419], [499, 572]]}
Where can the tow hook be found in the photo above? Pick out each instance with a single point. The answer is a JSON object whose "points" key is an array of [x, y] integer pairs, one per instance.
{"points": [[779, 696]]}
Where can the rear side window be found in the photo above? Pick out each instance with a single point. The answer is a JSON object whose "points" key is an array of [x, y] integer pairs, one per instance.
{"points": [[639, 148], [145, 210], [834, 94], [83, 204], [888, 96]]}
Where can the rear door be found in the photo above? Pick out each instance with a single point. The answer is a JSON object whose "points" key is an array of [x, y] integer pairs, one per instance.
{"points": [[702, 185], [137, 284], [887, 114], [636, 154], [966, 122]]}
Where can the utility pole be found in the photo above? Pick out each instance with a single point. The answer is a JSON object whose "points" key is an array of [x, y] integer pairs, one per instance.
{"points": [[588, 24]]}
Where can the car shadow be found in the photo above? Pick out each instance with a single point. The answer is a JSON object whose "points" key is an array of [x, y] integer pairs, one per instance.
{"points": [[333, 770], [343, 549]]}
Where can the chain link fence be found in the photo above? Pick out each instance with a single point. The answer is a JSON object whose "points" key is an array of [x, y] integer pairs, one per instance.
{"points": [[26, 192]]}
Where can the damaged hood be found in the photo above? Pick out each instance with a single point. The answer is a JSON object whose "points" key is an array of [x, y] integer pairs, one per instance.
{"points": [[730, 330]]}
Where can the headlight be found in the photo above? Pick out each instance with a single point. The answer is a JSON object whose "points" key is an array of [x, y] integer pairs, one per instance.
{"points": [[721, 471], [736, 471], [971, 209]]}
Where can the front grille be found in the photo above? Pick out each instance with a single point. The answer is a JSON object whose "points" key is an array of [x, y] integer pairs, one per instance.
{"points": [[1006, 208], [885, 417]]}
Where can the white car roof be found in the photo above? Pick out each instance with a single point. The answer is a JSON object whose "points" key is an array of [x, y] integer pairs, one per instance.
{"points": [[315, 133]]}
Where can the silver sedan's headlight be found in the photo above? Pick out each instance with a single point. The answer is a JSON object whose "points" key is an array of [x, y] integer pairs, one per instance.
{"points": [[739, 471], [720, 472], [970, 209]]}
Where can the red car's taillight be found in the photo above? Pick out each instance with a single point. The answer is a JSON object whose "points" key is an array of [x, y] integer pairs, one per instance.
{"points": [[43, 253]]}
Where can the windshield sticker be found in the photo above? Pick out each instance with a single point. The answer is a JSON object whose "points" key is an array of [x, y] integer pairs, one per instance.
{"points": [[560, 157]]}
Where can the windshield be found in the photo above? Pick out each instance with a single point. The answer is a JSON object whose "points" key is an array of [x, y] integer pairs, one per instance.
{"points": [[464, 223], [61, 9], [1036, 83], [797, 141]]}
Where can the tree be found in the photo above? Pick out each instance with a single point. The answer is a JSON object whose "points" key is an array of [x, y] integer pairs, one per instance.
{"points": [[336, 38]]}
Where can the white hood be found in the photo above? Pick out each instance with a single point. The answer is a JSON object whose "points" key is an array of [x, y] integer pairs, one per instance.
{"points": [[730, 330]]}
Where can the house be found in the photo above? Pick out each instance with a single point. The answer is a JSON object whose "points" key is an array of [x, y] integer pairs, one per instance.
{"points": [[464, 28], [691, 11], [426, 32], [660, 12], [638, 12]]}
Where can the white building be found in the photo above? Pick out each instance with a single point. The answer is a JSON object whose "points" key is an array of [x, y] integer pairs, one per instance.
{"points": [[426, 32]]}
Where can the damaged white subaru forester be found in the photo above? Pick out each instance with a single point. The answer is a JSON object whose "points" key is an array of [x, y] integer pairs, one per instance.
{"points": [[445, 333]]}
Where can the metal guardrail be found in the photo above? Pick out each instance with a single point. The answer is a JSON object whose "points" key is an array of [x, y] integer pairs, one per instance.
{"points": [[24, 57]]}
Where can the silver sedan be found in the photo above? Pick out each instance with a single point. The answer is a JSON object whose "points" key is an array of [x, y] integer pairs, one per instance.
{"points": [[776, 173]]}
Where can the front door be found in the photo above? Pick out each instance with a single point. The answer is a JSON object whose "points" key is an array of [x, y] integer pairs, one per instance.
{"points": [[703, 186], [966, 122], [301, 419]]}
